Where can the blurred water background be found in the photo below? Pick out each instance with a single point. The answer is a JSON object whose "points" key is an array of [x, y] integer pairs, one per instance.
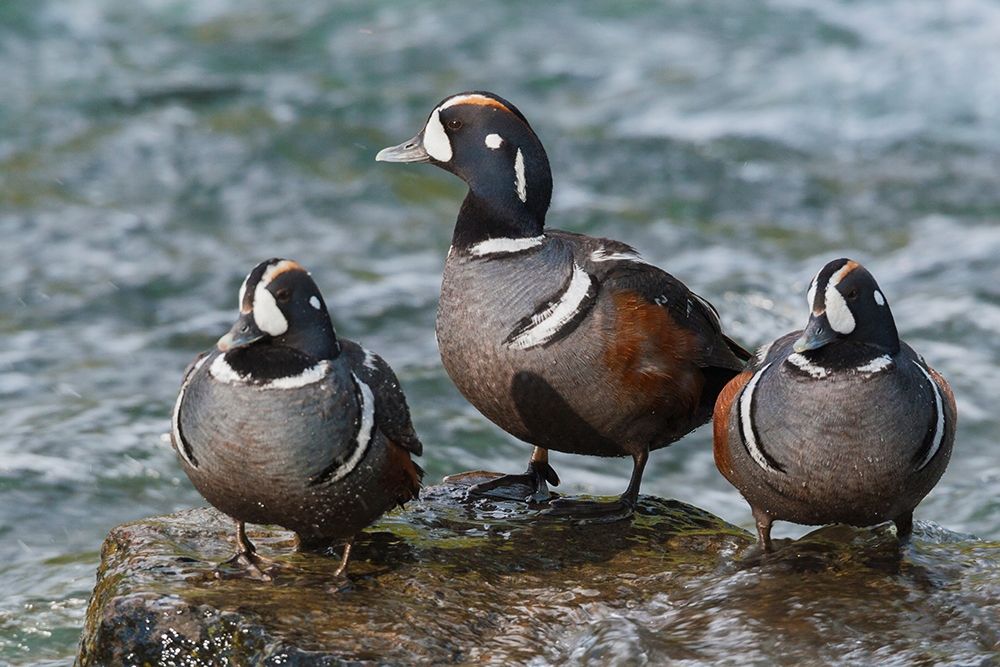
{"points": [[151, 152]]}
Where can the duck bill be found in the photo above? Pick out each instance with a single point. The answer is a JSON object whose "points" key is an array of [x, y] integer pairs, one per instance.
{"points": [[411, 150], [243, 334], [817, 334]]}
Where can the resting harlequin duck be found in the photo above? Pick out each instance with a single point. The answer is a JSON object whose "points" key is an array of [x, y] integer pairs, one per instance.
{"points": [[284, 423], [565, 341], [840, 423]]}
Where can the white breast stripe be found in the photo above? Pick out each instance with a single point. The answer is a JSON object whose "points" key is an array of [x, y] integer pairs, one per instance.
{"points": [[369, 361], [175, 419], [223, 372], [546, 324], [602, 255], [939, 426], [762, 352], [306, 377], [746, 421], [505, 246], [363, 439], [876, 365], [520, 184], [802, 362]]}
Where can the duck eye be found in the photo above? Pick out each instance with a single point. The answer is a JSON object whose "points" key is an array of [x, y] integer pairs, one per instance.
{"points": [[852, 295], [283, 295], [454, 124]]}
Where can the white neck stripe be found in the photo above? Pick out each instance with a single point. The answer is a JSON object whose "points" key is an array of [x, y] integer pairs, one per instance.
{"points": [[802, 362], [876, 365], [223, 372], [547, 324], [505, 246]]}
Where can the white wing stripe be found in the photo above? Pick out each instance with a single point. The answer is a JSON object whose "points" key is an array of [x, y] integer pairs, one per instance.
{"points": [[546, 324]]}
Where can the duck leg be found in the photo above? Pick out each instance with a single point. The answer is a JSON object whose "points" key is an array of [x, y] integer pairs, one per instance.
{"points": [[343, 559], [904, 527], [247, 557], [533, 479], [764, 521], [593, 511]]}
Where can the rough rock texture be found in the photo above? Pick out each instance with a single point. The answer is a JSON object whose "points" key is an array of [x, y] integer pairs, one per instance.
{"points": [[449, 581]]}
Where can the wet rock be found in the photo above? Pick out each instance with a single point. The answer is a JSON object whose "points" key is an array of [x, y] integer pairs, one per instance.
{"points": [[450, 581]]}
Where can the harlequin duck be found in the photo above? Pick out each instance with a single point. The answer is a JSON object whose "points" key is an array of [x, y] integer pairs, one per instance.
{"points": [[565, 341], [284, 423], [839, 423]]}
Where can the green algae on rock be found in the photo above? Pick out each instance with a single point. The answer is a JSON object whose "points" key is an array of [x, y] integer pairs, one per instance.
{"points": [[456, 581]]}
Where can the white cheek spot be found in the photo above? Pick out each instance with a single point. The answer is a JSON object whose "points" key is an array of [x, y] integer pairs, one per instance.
{"points": [[436, 142], [519, 180], [879, 299], [266, 313], [494, 141], [837, 312], [314, 302]]}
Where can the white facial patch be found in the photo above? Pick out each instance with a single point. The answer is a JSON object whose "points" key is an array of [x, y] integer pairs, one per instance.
{"points": [[436, 141], [837, 313], [519, 182], [266, 313], [547, 324], [879, 299], [494, 141], [314, 302]]}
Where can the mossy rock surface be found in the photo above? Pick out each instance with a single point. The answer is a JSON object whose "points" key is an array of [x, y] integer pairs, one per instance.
{"points": [[490, 581]]}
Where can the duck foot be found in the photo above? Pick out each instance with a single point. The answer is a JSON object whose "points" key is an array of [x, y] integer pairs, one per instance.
{"points": [[531, 486], [591, 511], [246, 558]]}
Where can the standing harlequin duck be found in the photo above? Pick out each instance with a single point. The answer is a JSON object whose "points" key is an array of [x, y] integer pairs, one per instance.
{"points": [[565, 341], [286, 424], [841, 423]]}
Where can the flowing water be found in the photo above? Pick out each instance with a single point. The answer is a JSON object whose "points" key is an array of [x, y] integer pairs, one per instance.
{"points": [[152, 152]]}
